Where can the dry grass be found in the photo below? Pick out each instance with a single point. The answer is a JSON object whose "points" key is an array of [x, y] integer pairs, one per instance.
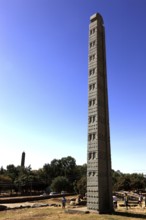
{"points": [[57, 213]]}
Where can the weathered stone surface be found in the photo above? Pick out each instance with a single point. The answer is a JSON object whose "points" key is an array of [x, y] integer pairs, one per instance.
{"points": [[99, 189]]}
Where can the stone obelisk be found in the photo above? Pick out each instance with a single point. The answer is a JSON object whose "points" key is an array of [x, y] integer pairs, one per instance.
{"points": [[99, 182], [23, 160]]}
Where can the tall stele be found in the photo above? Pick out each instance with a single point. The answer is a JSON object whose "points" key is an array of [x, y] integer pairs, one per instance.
{"points": [[99, 180], [23, 160]]}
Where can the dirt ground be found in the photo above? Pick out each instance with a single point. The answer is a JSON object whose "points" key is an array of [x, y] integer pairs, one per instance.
{"points": [[55, 213]]}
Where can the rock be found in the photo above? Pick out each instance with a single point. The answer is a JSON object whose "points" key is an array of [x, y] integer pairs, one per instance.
{"points": [[3, 207], [72, 203]]}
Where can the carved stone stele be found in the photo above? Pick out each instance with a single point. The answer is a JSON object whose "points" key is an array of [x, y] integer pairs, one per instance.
{"points": [[99, 180]]}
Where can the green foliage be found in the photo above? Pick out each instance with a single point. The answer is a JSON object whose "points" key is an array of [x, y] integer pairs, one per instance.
{"points": [[82, 185], [2, 170], [81, 179], [5, 179], [12, 171], [62, 175], [60, 183], [128, 181], [63, 167], [81, 170], [138, 181]]}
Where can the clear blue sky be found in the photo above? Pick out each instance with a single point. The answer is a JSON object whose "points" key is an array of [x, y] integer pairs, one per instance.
{"points": [[44, 80]]}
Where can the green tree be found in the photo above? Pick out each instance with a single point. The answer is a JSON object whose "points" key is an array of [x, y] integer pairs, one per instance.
{"points": [[2, 170], [23, 181], [116, 175], [132, 181], [47, 174], [137, 181], [81, 170], [12, 171], [68, 164], [56, 167], [5, 183], [82, 185], [60, 183]]}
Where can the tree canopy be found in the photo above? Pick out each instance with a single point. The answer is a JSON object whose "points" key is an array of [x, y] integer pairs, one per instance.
{"points": [[61, 175]]}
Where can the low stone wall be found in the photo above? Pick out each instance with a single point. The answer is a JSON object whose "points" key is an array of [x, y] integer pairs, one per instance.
{"points": [[29, 198]]}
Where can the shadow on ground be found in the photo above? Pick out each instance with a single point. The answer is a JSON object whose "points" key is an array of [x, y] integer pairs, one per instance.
{"points": [[132, 215]]}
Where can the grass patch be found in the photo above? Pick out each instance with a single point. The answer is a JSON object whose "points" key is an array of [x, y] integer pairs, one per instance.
{"points": [[56, 213]]}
